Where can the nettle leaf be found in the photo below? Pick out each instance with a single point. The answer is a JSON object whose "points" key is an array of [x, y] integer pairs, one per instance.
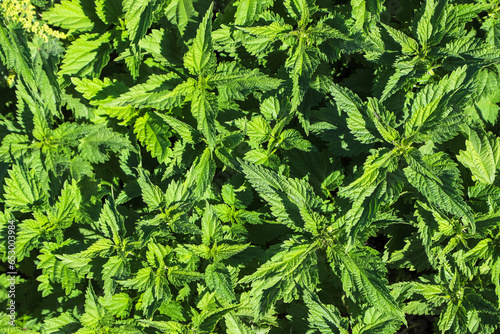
{"points": [[210, 226], [180, 12], [118, 304], [235, 83], [64, 211], [368, 190], [358, 121], [292, 201], [235, 325], [70, 15], [248, 11], [301, 63], [138, 17], [95, 315], [364, 272], [86, 56], [109, 11], [153, 132], [200, 175], [116, 268], [325, 318], [291, 138], [204, 108], [22, 190], [482, 155], [152, 195], [95, 146], [159, 92], [200, 58], [186, 131], [219, 280], [435, 102], [437, 178], [205, 321], [258, 129], [409, 46]]}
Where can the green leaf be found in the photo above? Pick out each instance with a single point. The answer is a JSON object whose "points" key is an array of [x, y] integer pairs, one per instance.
{"points": [[235, 83], [225, 251], [481, 156], [109, 11], [186, 131], [258, 129], [22, 190], [219, 281], [116, 268], [201, 174], [118, 304], [362, 268], [138, 18], [291, 138], [235, 325], [142, 280], [180, 12], [210, 226], [111, 222], [86, 56], [409, 46], [152, 195], [325, 318], [205, 322], [96, 145], [160, 92], [358, 121], [248, 11], [204, 109], [153, 132], [64, 211], [70, 15], [283, 265], [438, 183], [434, 102], [95, 315], [292, 201], [200, 58]]}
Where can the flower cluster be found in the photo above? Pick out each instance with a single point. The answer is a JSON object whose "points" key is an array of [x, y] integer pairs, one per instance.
{"points": [[23, 12]]}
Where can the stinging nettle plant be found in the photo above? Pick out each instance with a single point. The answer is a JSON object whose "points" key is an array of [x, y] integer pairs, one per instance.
{"points": [[247, 166]]}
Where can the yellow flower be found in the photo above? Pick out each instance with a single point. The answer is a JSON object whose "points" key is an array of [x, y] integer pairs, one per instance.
{"points": [[23, 12]]}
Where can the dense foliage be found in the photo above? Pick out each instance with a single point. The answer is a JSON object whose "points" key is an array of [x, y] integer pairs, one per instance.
{"points": [[251, 166]]}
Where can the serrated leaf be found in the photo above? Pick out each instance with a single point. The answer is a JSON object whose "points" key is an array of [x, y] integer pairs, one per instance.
{"points": [[152, 195], [96, 145], [204, 108], [22, 189], [153, 132], [210, 226], [180, 12], [95, 315], [361, 126], [363, 271], [219, 280], [86, 56], [481, 156], [186, 131], [325, 318], [200, 57], [69, 15], [138, 18], [442, 193], [409, 46], [109, 11]]}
